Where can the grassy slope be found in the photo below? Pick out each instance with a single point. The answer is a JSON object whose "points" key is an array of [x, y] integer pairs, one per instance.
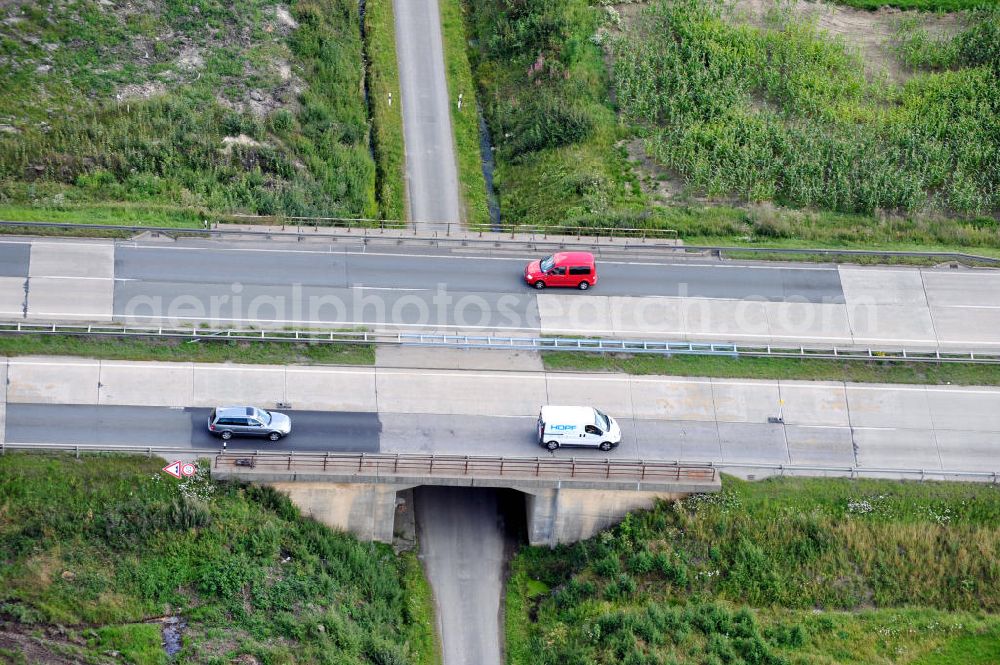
{"points": [[387, 119], [84, 135], [107, 348], [777, 368], [464, 121], [101, 545], [789, 115], [782, 571], [587, 180]]}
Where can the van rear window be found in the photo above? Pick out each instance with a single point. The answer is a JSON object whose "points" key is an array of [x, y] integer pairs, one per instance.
{"points": [[579, 270]]}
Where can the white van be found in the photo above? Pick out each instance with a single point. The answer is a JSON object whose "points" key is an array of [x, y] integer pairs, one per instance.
{"points": [[560, 426]]}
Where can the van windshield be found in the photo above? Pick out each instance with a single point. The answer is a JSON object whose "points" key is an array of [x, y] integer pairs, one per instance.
{"points": [[602, 421], [547, 264]]}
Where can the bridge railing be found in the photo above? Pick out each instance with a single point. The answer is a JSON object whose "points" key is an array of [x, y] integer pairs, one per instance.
{"points": [[451, 228], [467, 466]]}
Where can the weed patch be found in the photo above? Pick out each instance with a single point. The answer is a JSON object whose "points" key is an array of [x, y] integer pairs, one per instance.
{"points": [[104, 544], [781, 571], [205, 108], [823, 135]]}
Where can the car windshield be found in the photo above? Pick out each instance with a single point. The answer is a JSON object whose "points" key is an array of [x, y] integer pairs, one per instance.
{"points": [[603, 422], [265, 416], [547, 264]]}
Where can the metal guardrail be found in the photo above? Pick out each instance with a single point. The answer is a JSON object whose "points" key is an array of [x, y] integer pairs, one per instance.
{"points": [[454, 228], [79, 448], [466, 466], [593, 242], [865, 472], [779, 469], [539, 344]]}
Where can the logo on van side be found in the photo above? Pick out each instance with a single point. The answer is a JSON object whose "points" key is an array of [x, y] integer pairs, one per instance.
{"points": [[563, 428]]}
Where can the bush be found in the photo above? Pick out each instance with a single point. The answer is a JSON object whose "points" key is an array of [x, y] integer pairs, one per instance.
{"points": [[543, 122], [610, 566]]}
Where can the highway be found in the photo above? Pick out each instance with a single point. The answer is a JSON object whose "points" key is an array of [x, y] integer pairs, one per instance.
{"points": [[473, 290], [151, 268], [393, 410]]}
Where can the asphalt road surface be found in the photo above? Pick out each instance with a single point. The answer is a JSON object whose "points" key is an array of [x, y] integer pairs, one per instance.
{"points": [[226, 282], [462, 544], [180, 427], [431, 173], [262, 269], [14, 259]]}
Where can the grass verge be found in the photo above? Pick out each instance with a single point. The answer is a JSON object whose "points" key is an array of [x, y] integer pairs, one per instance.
{"points": [[420, 609], [97, 549], [777, 368], [803, 571], [119, 214], [767, 225], [922, 5], [387, 116], [175, 350], [464, 120]]}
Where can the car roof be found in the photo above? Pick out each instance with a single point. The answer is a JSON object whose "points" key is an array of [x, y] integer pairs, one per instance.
{"points": [[574, 257], [568, 413], [235, 410]]}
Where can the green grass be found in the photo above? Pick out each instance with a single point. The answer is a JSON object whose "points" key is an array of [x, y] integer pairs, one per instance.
{"points": [[103, 544], [777, 368], [110, 348], [123, 214], [753, 125], [85, 136], [545, 94], [387, 119], [804, 571], [819, 133], [420, 609], [465, 120], [922, 5], [775, 226], [136, 643], [978, 649]]}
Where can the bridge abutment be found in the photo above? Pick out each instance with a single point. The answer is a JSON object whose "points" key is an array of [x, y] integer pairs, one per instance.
{"points": [[562, 515], [368, 510]]}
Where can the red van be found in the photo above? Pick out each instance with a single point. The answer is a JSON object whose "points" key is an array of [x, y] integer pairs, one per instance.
{"points": [[575, 269]]}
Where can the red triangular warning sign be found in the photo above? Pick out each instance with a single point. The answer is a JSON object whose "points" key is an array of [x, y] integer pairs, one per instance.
{"points": [[174, 469]]}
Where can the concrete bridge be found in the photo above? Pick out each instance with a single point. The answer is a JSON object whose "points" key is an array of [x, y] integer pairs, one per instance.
{"points": [[566, 499]]}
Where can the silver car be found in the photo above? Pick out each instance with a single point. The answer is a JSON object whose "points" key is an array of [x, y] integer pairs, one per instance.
{"points": [[230, 421]]}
